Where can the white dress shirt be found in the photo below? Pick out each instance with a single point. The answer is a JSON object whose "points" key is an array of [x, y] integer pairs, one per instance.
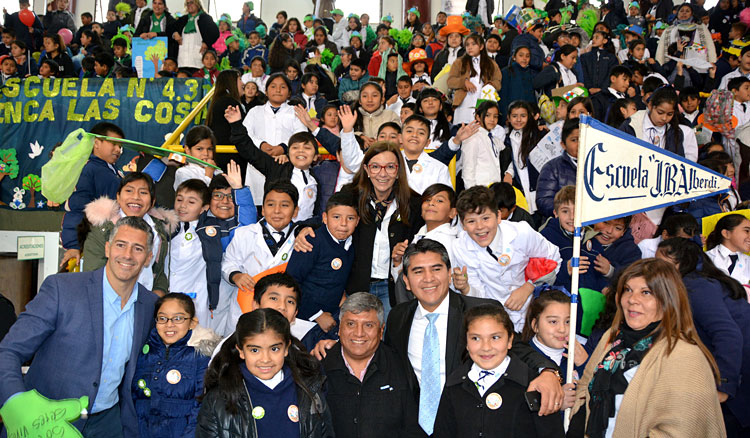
{"points": [[381, 249], [567, 75], [186, 270], [416, 337], [720, 256], [649, 246], [487, 382], [480, 156], [426, 172], [308, 193], [192, 171]]}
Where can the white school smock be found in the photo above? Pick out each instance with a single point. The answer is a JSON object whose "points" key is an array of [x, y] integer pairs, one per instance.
{"points": [[446, 234], [426, 172], [481, 158], [308, 193], [514, 244], [263, 124], [523, 171], [248, 252], [192, 171], [186, 270], [351, 159], [720, 256], [464, 113]]}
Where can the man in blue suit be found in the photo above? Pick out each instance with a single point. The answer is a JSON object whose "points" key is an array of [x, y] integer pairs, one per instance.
{"points": [[84, 332]]}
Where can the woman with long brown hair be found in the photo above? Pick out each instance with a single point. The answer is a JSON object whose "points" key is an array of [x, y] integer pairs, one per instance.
{"points": [[650, 374], [390, 216], [227, 93]]}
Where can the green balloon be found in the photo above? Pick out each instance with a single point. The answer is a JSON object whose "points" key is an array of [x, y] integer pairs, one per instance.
{"points": [[31, 414]]}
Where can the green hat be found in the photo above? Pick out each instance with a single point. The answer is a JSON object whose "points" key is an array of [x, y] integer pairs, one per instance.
{"points": [[387, 18], [250, 5], [230, 39], [307, 18], [353, 16], [660, 25], [355, 34], [634, 5], [570, 95], [414, 11], [337, 12], [261, 29]]}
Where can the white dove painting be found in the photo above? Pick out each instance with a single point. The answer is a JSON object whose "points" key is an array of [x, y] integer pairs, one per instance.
{"points": [[36, 150]]}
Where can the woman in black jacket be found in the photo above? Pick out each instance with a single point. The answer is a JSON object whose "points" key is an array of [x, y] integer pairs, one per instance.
{"points": [[227, 94], [195, 32], [157, 23], [320, 40], [390, 216]]}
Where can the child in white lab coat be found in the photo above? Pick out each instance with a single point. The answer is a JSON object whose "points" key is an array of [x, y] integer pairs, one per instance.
{"points": [[423, 170], [727, 247], [496, 254], [265, 244], [200, 143], [484, 155]]}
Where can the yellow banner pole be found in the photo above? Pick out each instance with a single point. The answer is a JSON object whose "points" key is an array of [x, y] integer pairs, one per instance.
{"points": [[174, 137]]}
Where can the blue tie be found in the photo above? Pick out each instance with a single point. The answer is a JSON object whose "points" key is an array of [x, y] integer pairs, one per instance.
{"points": [[482, 375], [733, 258], [429, 394]]}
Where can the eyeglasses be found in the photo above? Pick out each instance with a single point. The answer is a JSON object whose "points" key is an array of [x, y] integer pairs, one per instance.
{"points": [[219, 196], [179, 319], [390, 169]]}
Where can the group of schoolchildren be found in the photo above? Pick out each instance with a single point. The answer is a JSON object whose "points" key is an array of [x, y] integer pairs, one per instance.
{"points": [[506, 220]]}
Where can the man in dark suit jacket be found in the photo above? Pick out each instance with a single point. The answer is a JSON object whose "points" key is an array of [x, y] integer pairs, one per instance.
{"points": [[77, 329], [426, 266]]}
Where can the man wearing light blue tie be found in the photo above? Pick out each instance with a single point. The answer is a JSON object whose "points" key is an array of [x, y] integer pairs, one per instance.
{"points": [[427, 333]]}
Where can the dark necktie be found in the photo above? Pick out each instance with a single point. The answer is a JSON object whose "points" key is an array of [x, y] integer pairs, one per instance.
{"points": [[186, 226], [492, 254], [492, 142], [744, 107], [411, 164], [271, 242], [304, 176], [310, 103], [275, 110], [733, 258]]}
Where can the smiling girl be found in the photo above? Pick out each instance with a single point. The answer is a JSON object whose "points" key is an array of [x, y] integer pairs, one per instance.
{"points": [[372, 113], [486, 394], [485, 157], [261, 385], [728, 245], [169, 373]]}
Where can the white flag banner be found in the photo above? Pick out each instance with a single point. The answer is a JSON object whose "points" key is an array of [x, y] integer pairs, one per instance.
{"points": [[621, 175]]}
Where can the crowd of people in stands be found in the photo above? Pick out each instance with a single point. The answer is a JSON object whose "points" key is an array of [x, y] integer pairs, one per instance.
{"points": [[337, 275]]}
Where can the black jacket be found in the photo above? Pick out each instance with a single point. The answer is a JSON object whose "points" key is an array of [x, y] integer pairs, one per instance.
{"points": [[464, 413], [215, 422], [364, 241], [208, 29], [441, 59], [473, 7], [144, 26], [398, 328], [382, 405]]}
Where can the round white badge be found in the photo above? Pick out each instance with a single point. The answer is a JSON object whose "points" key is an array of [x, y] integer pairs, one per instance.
{"points": [[310, 192], [174, 377], [293, 413], [284, 257], [417, 168], [188, 236], [211, 231], [494, 401], [259, 412], [588, 245], [504, 260], [336, 264]]}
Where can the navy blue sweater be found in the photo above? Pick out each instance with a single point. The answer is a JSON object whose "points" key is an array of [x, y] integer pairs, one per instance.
{"points": [[516, 85], [277, 403], [322, 274], [556, 174], [723, 325], [97, 179], [596, 65]]}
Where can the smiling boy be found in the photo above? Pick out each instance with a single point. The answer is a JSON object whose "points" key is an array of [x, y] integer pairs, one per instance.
{"points": [[423, 169], [323, 272], [99, 177], [496, 253], [303, 150]]}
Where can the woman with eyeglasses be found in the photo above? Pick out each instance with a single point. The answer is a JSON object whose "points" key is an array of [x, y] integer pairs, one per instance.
{"points": [[169, 373], [195, 32], [390, 216]]}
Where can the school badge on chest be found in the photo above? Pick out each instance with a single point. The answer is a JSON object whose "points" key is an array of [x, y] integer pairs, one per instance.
{"points": [[310, 192], [336, 264], [174, 377], [494, 401], [588, 245], [284, 257], [417, 168], [259, 412], [504, 260], [293, 413], [211, 231], [188, 236]]}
